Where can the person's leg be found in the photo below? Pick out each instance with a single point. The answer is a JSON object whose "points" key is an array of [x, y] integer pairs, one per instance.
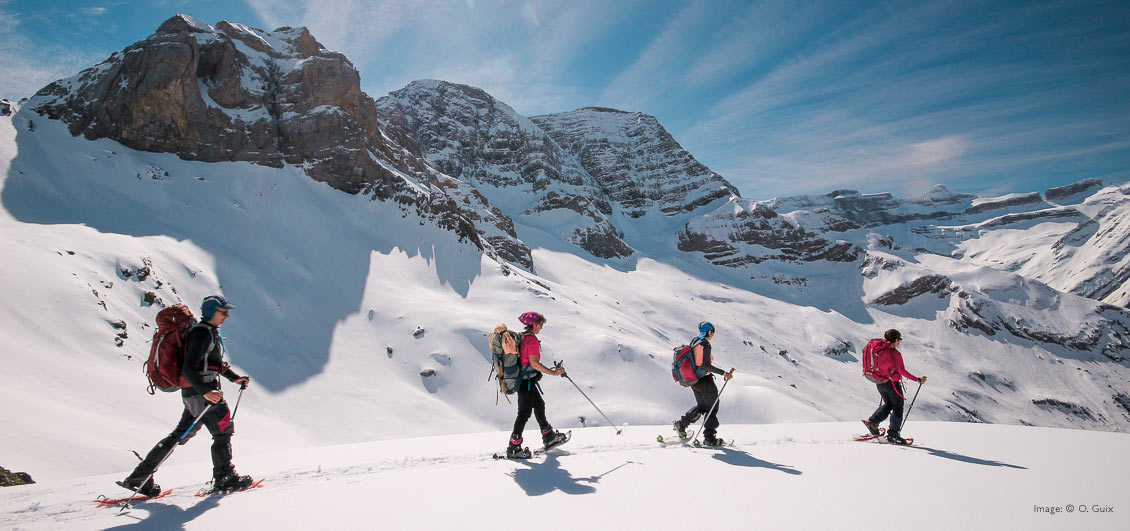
{"points": [[884, 409], [219, 424], [896, 413], [526, 393], [710, 396]]}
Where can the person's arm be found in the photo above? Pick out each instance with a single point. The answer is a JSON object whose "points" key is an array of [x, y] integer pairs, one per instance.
{"points": [[899, 368], [234, 377], [705, 364], [531, 350]]}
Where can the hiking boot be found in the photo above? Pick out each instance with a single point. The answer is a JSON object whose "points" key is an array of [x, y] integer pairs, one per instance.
{"points": [[872, 427], [553, 438], [149, 489], [713, 441], [232, 481], [680, 428], [894, 438]]}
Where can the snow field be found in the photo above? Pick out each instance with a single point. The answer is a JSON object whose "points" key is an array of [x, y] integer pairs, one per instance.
{"points": [[801, 476]]}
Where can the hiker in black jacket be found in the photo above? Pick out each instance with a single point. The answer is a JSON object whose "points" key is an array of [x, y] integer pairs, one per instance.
{"points": [[705, 390], [203, 365]]}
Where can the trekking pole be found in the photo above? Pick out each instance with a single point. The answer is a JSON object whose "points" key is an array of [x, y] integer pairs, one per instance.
{"points": [[712, 406], [125, 504], [237, 399], [907, 415], [566, 375]]}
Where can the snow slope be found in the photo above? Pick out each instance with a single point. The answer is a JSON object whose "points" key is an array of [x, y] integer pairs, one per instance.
{"points": [[331, 290], [795, 476]]}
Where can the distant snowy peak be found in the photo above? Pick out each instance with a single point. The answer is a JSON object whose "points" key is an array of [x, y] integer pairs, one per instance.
{"points": [[636, 161], [468, 134]]}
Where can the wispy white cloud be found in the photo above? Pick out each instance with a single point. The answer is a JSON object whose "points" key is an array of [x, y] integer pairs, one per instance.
{"points": [[906, 98], [659, 66], [494, 46], [29, 66]]}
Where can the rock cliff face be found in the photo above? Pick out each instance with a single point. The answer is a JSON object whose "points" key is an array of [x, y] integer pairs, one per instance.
{"points": [[635, 161], [466, 133], [234, 93]]}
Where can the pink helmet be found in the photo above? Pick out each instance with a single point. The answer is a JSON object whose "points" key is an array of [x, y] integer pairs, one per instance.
{"points": [[530, 318]]}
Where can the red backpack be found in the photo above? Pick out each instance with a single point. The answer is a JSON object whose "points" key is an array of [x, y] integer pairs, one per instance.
{"points": [[163, 368], [683, 369], [876, 360]]}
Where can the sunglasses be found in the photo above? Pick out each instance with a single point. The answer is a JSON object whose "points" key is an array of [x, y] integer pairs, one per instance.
{"points": [[221, 310]]}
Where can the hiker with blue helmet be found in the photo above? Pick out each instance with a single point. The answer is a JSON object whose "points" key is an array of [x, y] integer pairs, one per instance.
{"points": [[203, 365], [529, 392], [705, 390]]}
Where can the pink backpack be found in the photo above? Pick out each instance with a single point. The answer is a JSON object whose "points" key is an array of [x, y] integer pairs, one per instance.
{"points": [[877, 361]]}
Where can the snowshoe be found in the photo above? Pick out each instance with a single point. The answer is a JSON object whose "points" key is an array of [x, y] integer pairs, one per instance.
{"points": [[713, 441], [898, 441], [680, 428], [148, 490], [556, 439], [232, 482], [515, 452], [873, 428], [103, 501]]}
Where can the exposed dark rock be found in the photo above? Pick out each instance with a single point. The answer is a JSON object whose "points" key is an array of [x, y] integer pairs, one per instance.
{"points": [[11, 479], [1060, 192], [937, 284], [1068, 408], [1123, 400], [1018, 200]]}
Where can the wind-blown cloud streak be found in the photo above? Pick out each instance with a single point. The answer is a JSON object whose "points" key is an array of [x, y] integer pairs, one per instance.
{"points": [[780, 97]]}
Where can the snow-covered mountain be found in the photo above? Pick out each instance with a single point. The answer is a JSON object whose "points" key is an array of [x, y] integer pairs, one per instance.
{"points": [[371, 245]]}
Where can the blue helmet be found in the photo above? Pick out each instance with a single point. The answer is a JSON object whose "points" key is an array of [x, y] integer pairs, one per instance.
{"points": [[705, 328], [208, 307]]}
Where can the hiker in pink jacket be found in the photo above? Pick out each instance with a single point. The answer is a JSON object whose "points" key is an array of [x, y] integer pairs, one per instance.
{"points": [[889, 370]]}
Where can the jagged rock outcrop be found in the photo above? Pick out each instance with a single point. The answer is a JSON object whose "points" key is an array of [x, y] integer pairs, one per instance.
{"points": [[1005, 202], [936, 284], [754, 235], [468, 134], [234, 93], [1060, 192], [11, 479], [636, 162]]}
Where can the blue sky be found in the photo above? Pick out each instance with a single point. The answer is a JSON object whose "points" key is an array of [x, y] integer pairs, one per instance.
{"points": [[780, 97]]}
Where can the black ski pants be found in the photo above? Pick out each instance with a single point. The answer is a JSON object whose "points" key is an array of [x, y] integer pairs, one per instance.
{"points": [[892, 405], [219, 424], [530, 401], [705, 394]]}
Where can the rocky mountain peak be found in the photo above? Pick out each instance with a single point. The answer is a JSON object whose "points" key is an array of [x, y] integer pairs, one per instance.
{"points": [[636, 162], [466, 133], [235, 93]]}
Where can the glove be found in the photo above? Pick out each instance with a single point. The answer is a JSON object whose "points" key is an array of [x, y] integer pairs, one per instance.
{"points": [[922, 380]]}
